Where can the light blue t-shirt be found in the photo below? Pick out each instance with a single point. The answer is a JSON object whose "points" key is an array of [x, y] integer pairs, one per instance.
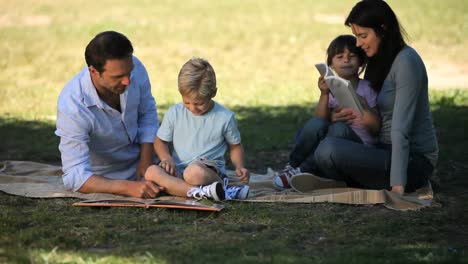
{"points": [[205, 136]]}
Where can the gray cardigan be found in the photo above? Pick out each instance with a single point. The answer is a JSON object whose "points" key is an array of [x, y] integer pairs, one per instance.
{"points": [[406, 118]]}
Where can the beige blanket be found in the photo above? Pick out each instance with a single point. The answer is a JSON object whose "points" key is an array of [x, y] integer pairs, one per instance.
{"points": [[32, 179]]}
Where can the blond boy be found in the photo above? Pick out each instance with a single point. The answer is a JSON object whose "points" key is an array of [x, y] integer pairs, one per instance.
{"points": [[199, 131]]}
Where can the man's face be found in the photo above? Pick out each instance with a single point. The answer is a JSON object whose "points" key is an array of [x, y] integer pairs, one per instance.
{"points": [[115, 77]]}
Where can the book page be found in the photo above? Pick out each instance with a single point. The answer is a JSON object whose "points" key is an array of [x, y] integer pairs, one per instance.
{"points": [[324, 70], [344, 93]]}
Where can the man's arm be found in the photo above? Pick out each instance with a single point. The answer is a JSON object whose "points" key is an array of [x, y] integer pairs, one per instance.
{"points": [[148, 122], [139, 189], [146, 159]]}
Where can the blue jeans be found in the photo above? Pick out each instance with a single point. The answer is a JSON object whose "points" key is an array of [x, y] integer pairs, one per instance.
{"points": [[307, 140], [367, 166]]}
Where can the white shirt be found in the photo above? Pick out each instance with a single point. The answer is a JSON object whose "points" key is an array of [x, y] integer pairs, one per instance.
{"points": [[96, 139]]}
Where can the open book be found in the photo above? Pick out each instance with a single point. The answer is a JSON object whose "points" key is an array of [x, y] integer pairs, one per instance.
{"points": [[340, 88], [162, 202]]}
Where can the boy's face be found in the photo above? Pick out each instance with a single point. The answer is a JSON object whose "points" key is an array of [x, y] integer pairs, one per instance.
{"points": [[197, 106], [346, 64]]}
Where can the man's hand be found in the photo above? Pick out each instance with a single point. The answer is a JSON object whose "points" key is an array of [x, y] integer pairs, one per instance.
{"points": [[143, 189], [169, 166], [243, 174]]}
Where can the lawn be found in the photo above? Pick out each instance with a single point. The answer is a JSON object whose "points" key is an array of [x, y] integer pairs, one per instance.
{"points": [[263, 53]]}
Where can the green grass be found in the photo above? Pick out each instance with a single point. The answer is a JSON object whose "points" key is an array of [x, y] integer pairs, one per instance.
{"points": [[263, 53]]}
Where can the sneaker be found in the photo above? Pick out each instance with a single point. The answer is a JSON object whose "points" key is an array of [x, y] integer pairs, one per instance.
{"points": [[306, 182], [235, 192], [282, 181], [214, 191]]}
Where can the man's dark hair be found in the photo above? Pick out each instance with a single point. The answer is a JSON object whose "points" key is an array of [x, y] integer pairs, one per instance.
{"points": [[105, 46]]}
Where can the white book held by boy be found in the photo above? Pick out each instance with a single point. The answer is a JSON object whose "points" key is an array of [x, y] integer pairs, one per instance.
{"points": [[340, 88]]}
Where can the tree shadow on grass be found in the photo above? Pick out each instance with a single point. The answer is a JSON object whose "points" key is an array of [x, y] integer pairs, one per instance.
{"points": [[267, 134], [28, 140]]}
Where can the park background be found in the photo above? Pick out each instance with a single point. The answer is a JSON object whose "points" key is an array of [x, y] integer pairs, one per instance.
{"points": [[263, 53]]}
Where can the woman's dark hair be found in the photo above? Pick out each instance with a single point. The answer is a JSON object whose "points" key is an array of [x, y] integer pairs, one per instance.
{"points": [[341, 42], [378, 15], [105, 46]]}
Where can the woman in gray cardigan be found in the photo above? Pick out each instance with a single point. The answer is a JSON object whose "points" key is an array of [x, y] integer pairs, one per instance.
{"points": [[407, 151]]}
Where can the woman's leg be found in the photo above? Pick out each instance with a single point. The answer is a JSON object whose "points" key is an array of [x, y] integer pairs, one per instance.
{"points": [[356, 164], [419, 171], [343, 130]]}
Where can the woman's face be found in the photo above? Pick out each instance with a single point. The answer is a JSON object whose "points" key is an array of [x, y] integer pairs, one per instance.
{"points": [[366, 39]]}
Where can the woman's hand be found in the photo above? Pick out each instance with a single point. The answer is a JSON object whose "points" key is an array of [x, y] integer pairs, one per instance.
{"points": [[399, 189], [346, 115]]}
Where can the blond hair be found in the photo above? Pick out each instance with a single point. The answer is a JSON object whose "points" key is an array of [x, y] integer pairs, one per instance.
{"points": [[197, 79]]}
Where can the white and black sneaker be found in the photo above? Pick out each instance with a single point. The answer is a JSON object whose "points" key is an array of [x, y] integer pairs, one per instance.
{"points": [[213, 191]]}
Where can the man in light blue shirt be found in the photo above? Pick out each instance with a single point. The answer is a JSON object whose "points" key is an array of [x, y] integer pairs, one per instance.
{"points": [[107, 122]]}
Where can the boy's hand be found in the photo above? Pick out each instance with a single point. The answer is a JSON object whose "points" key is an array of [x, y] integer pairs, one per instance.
{"points": [[243, 174], [169, 166], [323, 85]]}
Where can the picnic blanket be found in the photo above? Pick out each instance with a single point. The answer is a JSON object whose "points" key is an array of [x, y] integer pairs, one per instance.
{"points": [[39, 180]]}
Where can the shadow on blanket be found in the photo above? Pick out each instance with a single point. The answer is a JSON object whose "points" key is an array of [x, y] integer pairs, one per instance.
{"points": [[38, 180]]}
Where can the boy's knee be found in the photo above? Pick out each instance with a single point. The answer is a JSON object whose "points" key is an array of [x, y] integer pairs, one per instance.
{"points": [[152, 173], [315, 125], [194, 174]]}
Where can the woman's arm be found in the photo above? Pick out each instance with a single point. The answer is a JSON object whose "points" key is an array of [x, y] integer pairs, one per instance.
{"points": [[409, 80]]}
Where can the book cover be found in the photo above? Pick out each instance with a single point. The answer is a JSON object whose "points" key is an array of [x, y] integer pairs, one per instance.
{"points": [[161, 202], [340, 88]]}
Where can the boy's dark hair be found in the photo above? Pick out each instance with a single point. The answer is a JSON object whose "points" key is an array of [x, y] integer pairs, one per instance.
{"points": [[105, 46], [378, 15], [341, 42]]}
